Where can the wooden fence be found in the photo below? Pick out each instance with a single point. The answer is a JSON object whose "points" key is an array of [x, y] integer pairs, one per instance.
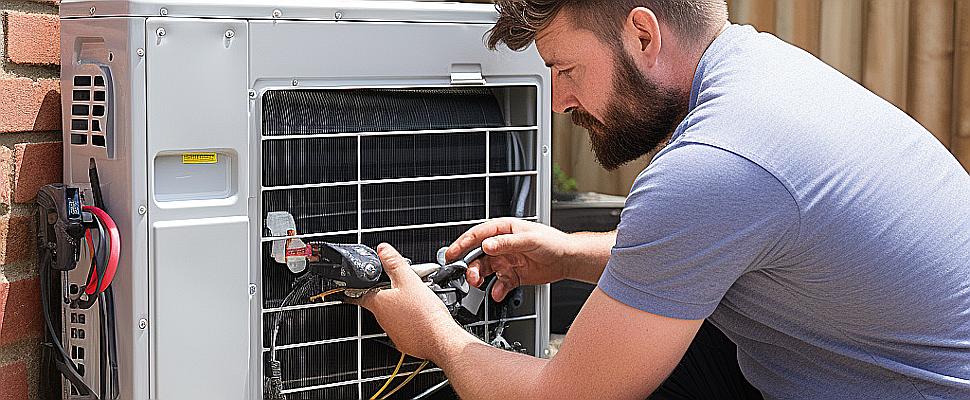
{"points": [[914, 53]]}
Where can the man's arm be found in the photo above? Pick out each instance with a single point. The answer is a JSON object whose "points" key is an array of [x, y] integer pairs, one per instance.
{"points": [[612, 351], [591, 257]]}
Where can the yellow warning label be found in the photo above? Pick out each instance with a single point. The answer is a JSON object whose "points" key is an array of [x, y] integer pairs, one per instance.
{"points": [[200, 158]]}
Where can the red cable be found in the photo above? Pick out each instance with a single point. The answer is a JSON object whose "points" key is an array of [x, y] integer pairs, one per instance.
{"points": [[114, 251], [90, 242]]}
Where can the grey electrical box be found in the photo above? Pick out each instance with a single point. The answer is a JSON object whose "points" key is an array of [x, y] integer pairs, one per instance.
{"points": [[367, 121]]}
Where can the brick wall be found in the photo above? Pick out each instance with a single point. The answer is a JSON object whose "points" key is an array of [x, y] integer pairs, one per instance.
{"points": [[30, 157]]}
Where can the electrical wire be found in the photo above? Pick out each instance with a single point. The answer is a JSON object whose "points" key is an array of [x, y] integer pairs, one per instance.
{"points": [[321, 296], [114, 250], [390, 378], [410, 377], [67, 366]]}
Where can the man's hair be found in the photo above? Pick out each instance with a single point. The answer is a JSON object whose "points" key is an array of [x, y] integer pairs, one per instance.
{"points": [[520, 20]]}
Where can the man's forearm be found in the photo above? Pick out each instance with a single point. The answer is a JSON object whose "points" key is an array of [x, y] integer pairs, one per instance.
{"points": [[590, 256], [479, 371]]}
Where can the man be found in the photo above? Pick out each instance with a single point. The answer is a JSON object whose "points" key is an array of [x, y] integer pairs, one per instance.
{"points": [[821, 229]]}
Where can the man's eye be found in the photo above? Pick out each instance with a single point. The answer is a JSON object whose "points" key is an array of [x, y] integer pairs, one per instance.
{"points": [[565, 72]]}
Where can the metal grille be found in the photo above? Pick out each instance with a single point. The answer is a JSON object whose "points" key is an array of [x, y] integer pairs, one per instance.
{"points": [[410, 167], [88, 110]]}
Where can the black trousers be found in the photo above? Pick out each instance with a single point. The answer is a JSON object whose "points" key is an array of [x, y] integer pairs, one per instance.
{"points": [[709, 370]]}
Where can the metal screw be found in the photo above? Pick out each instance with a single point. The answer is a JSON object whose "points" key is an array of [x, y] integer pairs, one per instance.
{"points": [[296, 82], [92, 10], [230, 33], [252, 289], [277, 13], [142, 210], [338, 15], [140, 52], [160, 31], [142, 323], [163, 11], [545, 150], [252, 94]]}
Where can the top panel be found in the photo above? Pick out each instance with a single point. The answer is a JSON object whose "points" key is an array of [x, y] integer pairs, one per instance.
{"points": [[325, 10]]}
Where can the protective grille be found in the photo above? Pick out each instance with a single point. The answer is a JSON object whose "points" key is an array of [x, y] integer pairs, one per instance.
{"points": [[410, 167], [88, 110]]}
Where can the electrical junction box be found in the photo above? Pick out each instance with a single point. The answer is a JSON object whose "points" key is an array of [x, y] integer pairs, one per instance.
{"points": [[367, 121]]}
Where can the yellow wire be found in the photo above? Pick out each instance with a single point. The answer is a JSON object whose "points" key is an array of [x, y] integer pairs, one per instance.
{"points": [[410, 377], [390, 378], [325, 294]]}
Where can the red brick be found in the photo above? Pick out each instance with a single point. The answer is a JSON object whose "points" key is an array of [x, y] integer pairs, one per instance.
{"points": [[33, 38], [4, 289], [36, 165], [13, 381], [29, 106], [6, 169], [21, 313], [16, 238]]}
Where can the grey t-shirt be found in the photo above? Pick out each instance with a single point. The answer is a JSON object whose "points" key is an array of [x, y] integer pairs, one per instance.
{"points": [[823, 230]]}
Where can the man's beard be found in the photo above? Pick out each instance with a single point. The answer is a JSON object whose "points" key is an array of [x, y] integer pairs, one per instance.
{"points": [[640, 115]]}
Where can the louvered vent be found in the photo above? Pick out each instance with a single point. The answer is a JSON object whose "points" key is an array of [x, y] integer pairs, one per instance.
{"points": [[88, 110], [410, 167]]}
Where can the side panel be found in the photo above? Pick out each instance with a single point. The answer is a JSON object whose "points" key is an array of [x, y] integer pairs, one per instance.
{"points": [[201, 321], [106, 47], [198, 147]]}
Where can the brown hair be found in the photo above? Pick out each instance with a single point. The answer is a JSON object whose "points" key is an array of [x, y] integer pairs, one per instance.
{"points": [[520, 20]]}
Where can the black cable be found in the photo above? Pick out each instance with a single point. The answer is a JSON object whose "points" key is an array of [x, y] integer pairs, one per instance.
{"points": [[112, 343], [66, 367], [108, 297], [99, 263]]}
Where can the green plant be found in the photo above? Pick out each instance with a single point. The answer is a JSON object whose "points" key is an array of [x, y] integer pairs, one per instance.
{"points": [[562, 182]]}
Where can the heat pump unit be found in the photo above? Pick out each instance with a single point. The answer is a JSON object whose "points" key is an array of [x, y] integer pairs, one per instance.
{"points": [[366, 121]]}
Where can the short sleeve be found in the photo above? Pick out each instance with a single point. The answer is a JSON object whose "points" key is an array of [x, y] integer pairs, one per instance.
{"points": [[696, 220]]}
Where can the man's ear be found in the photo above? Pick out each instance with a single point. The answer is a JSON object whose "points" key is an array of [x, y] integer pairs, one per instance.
{"points": [[645, 27]]}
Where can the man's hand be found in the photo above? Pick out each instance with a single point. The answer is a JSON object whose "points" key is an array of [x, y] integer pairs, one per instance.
{"points": [[414, 318], [527, 253]]}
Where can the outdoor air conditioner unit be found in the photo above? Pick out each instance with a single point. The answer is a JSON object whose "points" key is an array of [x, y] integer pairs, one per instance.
{"points": [[367, 121]]}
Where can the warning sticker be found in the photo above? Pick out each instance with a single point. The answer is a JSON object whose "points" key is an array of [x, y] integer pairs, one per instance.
{"points": [[200, 158]]}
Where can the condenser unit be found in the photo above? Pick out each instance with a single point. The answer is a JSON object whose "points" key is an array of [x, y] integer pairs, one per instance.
{"points": [[366, 121]]}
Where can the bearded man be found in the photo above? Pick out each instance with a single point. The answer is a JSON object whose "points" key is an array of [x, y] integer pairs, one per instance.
{"points": [[824, 231]]}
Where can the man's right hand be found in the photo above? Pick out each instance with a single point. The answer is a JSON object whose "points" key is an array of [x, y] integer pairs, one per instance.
{"points": [[519, 253]]}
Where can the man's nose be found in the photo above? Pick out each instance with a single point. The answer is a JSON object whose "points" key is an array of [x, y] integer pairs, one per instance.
{"points": [[563, 99]]}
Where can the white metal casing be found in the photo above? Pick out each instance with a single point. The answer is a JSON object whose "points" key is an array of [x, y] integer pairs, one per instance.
{"points": [[188, 322]]}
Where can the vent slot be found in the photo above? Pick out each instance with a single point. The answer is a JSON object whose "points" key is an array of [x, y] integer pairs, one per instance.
{"points": [[409, 156], [338, 392], [316, 210], [318, 365], [312, 112], [512, 151], [308, 161], [423, 202], [88, 116], [512, 196], [312, 324], [420, 245]]}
